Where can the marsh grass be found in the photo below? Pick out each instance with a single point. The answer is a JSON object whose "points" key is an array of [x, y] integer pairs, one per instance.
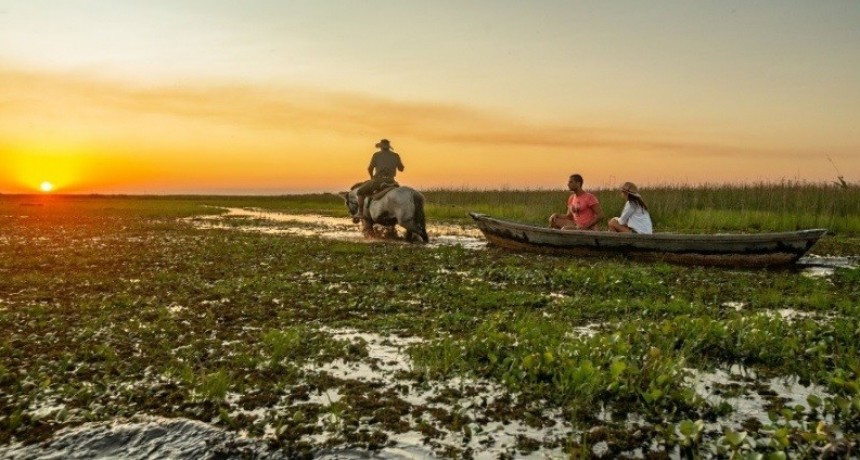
{"points": [[780, 206], [214, 386], [116, 307], [297, 344], [756, 207]]}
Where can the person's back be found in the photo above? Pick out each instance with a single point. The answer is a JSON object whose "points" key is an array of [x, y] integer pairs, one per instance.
{"points": [[386, 163], [635, 216]]}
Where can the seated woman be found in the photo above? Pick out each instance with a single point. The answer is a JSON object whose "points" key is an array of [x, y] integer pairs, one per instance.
{"points": [[635, 217]]}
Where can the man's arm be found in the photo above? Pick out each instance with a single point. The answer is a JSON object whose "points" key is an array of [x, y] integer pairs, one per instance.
{"points": [[598, 215], [372, 164], [399, 163]]}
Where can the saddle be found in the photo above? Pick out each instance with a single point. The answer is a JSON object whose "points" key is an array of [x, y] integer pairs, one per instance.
{"points": [[385, 188]]}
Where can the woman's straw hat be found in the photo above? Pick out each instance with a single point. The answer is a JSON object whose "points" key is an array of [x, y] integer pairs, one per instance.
{"points": [[630, 187]]}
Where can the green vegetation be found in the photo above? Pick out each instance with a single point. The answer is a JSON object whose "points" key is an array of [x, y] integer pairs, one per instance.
{"points": [[114, 306], [759, 207], [708, 208]]}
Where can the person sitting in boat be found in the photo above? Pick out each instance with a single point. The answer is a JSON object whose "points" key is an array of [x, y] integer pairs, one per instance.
{"points": [[383, 167], [635, 217], [583, 209]]}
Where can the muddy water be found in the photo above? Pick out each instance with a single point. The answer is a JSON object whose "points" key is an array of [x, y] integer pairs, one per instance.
{"points": [[494, 439], [822, 266], [143, 439], [337, 228], [342, 228], [749, 395], [176, 439], [152, 438]]}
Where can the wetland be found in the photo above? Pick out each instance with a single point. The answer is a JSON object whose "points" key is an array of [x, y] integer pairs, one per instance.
{"points": [[267, 327]]}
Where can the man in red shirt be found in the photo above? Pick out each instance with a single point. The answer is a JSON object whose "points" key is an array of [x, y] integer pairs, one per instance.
{"points": [[583, 209]]}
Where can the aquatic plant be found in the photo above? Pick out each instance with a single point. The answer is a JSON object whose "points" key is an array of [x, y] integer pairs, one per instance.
{"points": [[114, 307]]}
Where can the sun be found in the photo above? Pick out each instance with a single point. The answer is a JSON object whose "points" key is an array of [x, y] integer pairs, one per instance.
{"points": [[46, 187]]}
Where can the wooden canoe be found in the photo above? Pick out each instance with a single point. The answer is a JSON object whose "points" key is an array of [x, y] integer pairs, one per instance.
{"points": [[729, 250]]}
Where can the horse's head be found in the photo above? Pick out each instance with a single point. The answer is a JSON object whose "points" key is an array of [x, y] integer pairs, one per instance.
{"points": [[351, 200]]}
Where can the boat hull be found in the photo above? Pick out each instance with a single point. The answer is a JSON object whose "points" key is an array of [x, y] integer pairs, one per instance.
{"points": [[728, 250]]}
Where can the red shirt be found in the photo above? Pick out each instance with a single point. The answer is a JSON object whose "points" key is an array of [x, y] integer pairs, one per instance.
{"points": [[581, 208]]}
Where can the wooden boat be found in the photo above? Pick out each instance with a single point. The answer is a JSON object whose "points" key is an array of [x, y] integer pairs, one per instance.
{"points": [[729, 250]]}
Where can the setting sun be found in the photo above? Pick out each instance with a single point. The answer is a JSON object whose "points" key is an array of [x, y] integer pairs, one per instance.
{"points": [[478, 90], [46, 187]]}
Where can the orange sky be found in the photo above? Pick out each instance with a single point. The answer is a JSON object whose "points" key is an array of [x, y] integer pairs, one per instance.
{"points": [[87, 135], [93, 123]]}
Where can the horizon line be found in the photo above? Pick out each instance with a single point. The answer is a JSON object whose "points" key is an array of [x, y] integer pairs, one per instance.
{"points": [[602, 187]]}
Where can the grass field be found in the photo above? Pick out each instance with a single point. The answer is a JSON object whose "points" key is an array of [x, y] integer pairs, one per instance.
{"points": [[113, 307], [701, 209]]}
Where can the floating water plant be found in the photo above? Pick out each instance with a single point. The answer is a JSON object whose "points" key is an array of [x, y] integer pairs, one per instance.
{"points": [[117, 308]]}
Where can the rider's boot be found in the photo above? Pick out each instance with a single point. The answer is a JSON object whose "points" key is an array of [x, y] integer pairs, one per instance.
{"points": [[359, 216]]}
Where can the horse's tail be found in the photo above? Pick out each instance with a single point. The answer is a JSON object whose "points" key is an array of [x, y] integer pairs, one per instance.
{"points": [[418, 217]]}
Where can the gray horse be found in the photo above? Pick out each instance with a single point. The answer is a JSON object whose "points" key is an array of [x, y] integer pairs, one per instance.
{"points": [[402, 205]]}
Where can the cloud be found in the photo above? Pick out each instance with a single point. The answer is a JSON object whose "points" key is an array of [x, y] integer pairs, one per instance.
{"points": [[199, 135], [270, 110]]}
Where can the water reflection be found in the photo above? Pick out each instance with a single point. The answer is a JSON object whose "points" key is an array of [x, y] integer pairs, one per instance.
{"points": [[815, 266], [144, 439], [385, 367], [469, 237], [149, 438], [315, 225], [750, 395]]}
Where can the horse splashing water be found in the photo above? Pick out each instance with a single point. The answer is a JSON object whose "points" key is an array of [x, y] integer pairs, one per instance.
{"points": [[402, 206]]}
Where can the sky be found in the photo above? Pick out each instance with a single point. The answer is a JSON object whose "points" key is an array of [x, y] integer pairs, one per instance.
{"points": [[271, 97]]}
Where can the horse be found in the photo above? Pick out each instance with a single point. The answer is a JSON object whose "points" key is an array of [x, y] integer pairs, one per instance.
{"points": [[402, 206]]}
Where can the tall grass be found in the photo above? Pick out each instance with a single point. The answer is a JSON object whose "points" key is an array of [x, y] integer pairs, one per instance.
{"points": [[706, 208], [779, 206]]}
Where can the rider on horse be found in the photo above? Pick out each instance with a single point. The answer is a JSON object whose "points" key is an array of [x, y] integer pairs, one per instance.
{"points": [[383, 167]]}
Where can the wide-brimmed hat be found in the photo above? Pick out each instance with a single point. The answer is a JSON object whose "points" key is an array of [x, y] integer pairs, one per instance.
{"points": [[630, 187], [383, 143]]}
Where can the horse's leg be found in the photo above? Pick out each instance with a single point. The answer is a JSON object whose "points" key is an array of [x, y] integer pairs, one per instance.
{"points": [[413, 229], [403, 206], [367, 229], [417, 218]]}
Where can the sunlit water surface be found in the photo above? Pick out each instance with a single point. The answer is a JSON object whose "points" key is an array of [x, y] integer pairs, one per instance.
{"points": [[342, 228], [336, 228]]}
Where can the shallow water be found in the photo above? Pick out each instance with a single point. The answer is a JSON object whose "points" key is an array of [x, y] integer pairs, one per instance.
{"points": [[387, 360], [342, 228], [152, 437], [149, 438], [143, 439], [337, 228], [815, 266], [387, 356], [751, 396]]}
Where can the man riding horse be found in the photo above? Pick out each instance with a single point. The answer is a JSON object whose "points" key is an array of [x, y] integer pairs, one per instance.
{"points": [[397, 205], [383, 167]]}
